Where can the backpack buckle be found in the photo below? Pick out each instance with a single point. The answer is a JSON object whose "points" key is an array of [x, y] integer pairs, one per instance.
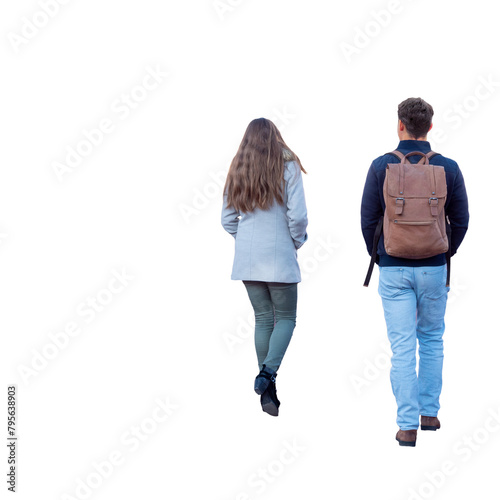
{"points": [[433, 202], [399, 206]]}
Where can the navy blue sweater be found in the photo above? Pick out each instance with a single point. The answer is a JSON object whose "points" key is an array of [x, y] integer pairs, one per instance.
{"points": [[373, 205]]}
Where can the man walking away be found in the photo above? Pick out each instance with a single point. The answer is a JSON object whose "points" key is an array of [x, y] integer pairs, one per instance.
{"points": [[411, 200]]}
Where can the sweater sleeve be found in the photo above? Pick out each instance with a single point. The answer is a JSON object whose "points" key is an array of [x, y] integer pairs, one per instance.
{"points": [[229, 218], [296, 204], [458, 212], [371, 208]]}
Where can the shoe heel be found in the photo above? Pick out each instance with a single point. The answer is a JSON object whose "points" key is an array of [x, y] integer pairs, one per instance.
{"points": [[406, 443], [261, 387], [263, 380]]}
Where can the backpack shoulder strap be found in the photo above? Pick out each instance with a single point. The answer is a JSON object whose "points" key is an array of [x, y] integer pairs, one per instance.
{"points": [[376, 238], [397, 154], [432, 154], [400, 156]]}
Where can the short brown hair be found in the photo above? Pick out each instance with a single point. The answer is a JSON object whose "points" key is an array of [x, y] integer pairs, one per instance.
{"points": [[416, 115]]}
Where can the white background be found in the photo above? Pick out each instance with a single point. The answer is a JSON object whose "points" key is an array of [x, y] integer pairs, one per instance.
{"points": [[144, 202]]}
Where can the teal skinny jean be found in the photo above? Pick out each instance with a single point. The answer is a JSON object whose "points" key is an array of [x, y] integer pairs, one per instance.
{"points": [[275, 307]]}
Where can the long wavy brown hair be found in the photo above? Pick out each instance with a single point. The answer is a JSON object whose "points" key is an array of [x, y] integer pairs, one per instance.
{"points": [[255, 177]]}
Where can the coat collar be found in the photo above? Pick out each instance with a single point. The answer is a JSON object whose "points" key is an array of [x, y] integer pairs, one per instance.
{"points": [[288, 155], [413, 145]]}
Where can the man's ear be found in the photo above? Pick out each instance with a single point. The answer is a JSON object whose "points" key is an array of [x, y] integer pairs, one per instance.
{"points": [[401, 125], [430, 128]]}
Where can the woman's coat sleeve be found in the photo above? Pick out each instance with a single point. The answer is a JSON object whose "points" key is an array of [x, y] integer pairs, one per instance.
{"points": [[229, 218], [296, 204]]}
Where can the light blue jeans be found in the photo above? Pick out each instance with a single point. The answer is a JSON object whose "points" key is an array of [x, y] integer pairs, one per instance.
{"points": [[414, 300]]}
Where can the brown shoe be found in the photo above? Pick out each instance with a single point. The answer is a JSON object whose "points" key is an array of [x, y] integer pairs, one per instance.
{"points": [[407, 438], [429, 423]]}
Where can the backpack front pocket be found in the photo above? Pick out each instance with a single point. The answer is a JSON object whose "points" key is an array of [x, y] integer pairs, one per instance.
{"points": [[414, 223]]}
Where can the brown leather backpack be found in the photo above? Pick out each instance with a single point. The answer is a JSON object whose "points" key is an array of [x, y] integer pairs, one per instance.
{"points": [[414, 219], [414, 223]]}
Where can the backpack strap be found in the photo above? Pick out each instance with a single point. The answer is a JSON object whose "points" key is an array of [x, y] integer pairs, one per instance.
{"points": [[448, 253], [397, 154], [430, 155], [400, 156], [376, 238]]}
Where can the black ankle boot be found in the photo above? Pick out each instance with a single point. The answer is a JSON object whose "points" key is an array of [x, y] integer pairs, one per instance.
{"points": [[269, 400], [263, 379]]}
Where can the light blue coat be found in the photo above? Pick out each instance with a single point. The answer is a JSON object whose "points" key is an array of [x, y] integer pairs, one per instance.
{"points": [[267, 240]]}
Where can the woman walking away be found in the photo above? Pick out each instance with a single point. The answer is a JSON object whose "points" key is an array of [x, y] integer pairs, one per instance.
{"points": [[264, 209]]}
